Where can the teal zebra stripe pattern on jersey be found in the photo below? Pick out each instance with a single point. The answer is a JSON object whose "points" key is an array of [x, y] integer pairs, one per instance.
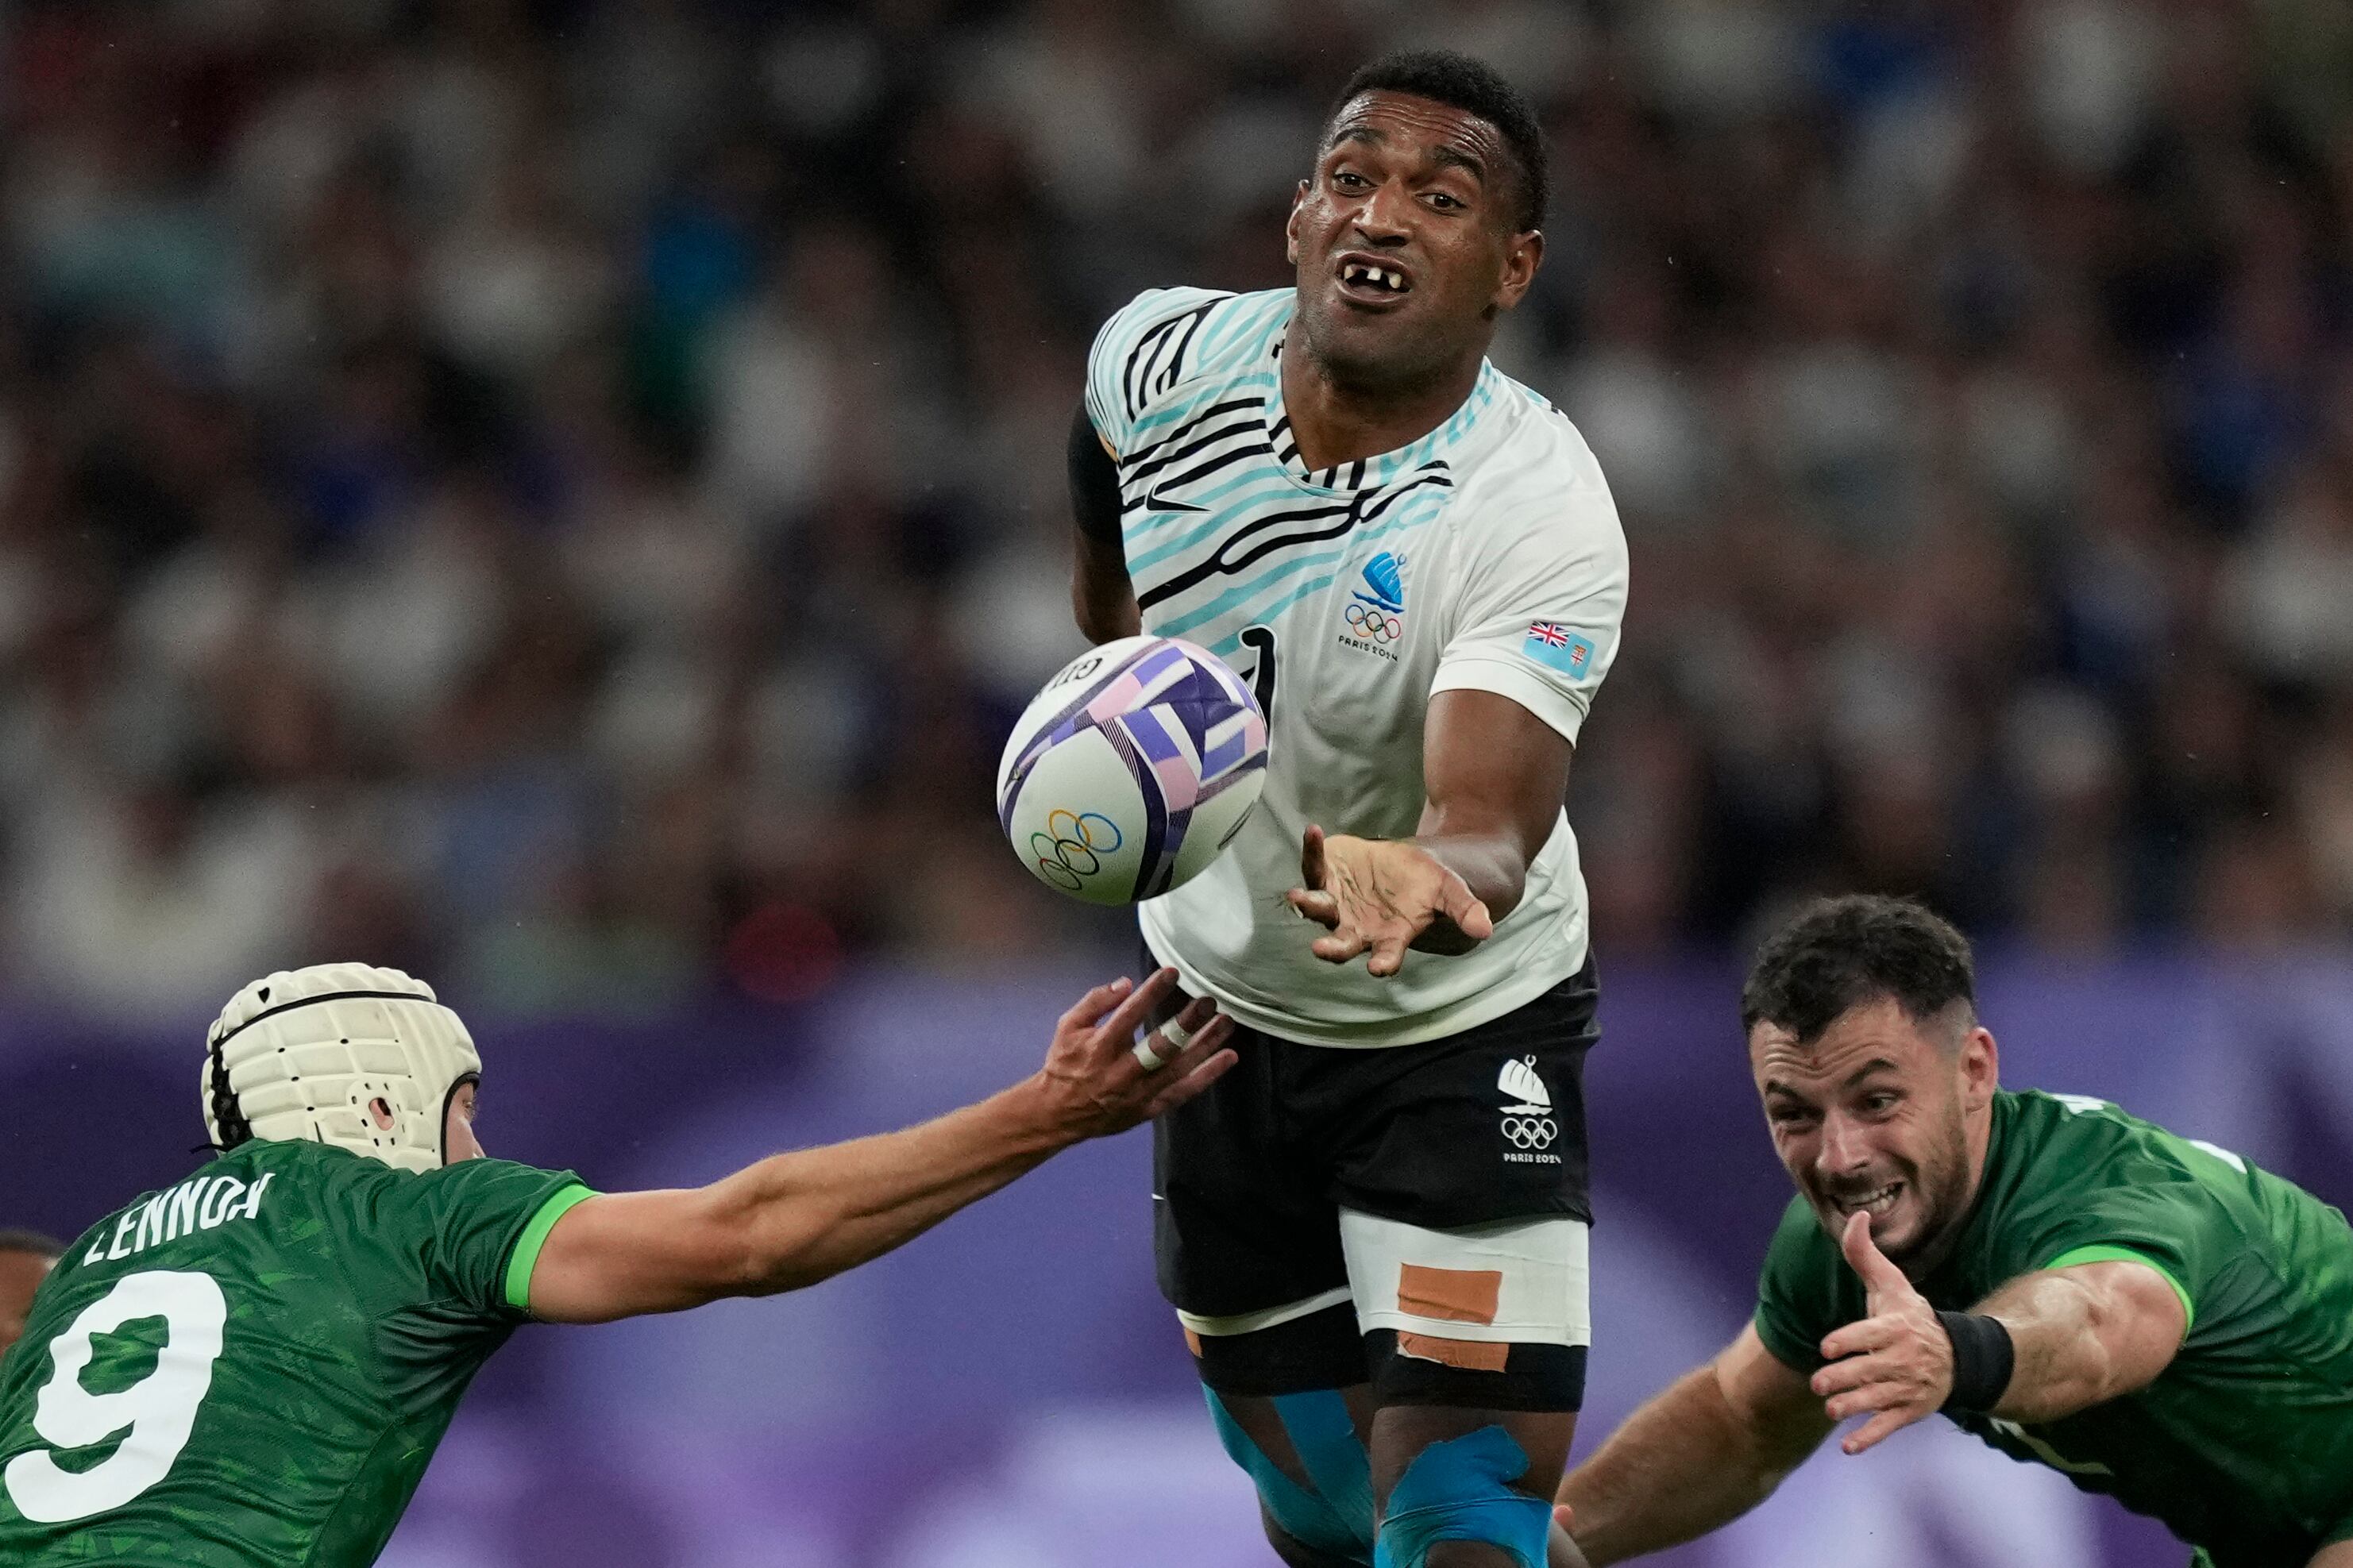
{"points": [[1353, 595]]}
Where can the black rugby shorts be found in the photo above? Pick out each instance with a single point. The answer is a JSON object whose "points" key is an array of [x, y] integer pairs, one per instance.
{"points": [[1250, 1177]]}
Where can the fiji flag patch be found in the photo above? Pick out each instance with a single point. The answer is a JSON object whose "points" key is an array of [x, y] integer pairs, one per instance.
{"points": [[1556, 647]]}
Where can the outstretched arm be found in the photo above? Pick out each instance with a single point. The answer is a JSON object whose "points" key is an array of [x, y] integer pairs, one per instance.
{"points": [[2079, 1336], [1714, 1446], [1494, 774], [796, 1218]]}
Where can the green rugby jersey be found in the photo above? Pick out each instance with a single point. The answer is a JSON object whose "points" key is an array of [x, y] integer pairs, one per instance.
{"points": [[252, 1368], [2244, 1446]]}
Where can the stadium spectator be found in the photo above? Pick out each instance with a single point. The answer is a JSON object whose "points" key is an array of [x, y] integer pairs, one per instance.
{"points": [[533, 488]]}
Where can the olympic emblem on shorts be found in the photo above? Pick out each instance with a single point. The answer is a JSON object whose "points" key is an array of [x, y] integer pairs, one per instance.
{"points": [[1072, 846], [1530, 1133], [1374, 624]]}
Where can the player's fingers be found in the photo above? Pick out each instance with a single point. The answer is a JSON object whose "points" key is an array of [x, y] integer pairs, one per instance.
{"points": [[1880, 1427], [1388, 955], [1203, 1073], [1311, 857], [1345, 943], [1315, 904], [1870, 1264], [1458, 904], [1854, 1372], [1859, 1339], [1117, 1030], [1200, 1041], [1082, 1014], [1881, 1394], [1166, 1040]]}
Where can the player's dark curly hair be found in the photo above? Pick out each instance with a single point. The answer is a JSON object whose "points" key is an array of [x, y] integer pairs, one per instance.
{"points": [[1474, 87], [1841, 952]]}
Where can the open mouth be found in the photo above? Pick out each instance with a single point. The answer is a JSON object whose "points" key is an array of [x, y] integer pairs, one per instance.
{"points": [[1373, 282], [1876, 1204]]}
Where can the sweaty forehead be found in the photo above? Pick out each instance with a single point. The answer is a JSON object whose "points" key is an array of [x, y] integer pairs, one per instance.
{"points": [[1399, 119]]}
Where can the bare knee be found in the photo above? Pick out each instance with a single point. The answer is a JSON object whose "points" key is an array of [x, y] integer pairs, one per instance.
{"points": [[1466, 1488], [1403, 1432]]}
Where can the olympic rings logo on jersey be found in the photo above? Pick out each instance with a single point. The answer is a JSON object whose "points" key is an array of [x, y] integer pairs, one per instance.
{"points": [[1072, 846], [1373, 624], [1530, 1131]]}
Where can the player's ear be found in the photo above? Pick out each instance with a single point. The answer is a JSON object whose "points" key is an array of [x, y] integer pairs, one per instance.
{"points": [[1980, 1068], [1291, 225], [1524, 255]]}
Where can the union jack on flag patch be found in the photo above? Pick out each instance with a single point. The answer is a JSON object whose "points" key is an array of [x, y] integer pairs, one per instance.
{"points": [[1556, 647]]}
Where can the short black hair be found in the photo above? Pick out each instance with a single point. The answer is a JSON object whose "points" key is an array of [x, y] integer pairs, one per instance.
{"points": [[31, 1241], [1846, 951], [1474, 87]]}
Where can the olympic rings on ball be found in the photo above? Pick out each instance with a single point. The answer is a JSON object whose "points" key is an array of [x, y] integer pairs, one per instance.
{"points": [[1070, 850], [1373, 624]]}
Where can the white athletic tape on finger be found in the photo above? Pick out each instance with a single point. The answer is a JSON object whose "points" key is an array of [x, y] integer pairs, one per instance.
{"points": [[1175, 1035]]}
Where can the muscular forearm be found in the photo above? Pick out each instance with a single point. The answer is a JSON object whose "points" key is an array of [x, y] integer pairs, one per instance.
{"points": [[1494, 864], [2081, 1337], [810, 1215], [1496, 775], [1682, 1466]]}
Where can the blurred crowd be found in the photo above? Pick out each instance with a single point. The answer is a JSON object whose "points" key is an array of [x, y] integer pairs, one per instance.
{"points": [[565, 496]]}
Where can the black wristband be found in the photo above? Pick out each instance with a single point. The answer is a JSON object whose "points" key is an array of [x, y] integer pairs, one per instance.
{"points": [[1983, 1359]]}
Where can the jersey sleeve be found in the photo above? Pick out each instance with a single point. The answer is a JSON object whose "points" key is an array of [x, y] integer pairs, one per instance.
{"points": [[1541, 606], [2161, 1217], [1804, 1291], [485, 1221], [1143, 351]]}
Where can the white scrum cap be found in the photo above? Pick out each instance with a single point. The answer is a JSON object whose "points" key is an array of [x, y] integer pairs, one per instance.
{"points": [[344, 1054]]}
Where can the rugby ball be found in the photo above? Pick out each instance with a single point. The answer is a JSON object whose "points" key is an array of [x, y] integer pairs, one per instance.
{"points": [[1132, 770]]}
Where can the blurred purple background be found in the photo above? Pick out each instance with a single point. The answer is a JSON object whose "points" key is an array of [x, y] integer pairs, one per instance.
{"points": [[564, 496], [1010, 1391]]}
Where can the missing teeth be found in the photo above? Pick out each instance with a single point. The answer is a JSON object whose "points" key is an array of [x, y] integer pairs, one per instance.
{"points": [[1356, 271]]}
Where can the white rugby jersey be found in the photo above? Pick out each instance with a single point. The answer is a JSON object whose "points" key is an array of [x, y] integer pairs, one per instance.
{"points": [[1486, 555]]}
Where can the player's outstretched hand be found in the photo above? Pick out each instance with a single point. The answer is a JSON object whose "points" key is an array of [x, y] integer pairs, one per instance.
{"points": [[1896, 1363], [1381, 896], [1101, 1079]]}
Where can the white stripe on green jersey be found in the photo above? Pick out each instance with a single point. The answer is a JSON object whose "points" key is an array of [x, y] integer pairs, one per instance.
{"points": [[1485, 556]]}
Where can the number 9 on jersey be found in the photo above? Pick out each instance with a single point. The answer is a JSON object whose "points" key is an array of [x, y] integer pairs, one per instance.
{"points": [[153, 1416]]}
